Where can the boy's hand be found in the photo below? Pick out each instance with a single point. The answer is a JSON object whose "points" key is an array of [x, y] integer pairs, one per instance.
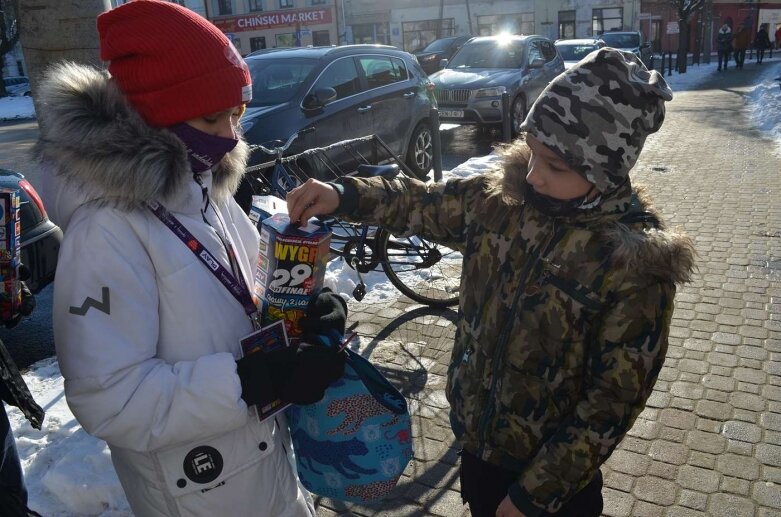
{"points": [[311, 199], [508, 509]]}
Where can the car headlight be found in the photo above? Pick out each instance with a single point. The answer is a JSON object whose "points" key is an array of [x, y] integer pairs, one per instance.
{"points": [[490, 92]]}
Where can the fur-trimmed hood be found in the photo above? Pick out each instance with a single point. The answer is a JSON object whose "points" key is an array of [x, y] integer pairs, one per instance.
{"points": [[94, 147], [625, 219]]}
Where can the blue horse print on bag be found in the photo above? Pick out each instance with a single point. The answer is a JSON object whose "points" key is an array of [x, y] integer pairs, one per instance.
{"points": [[354, 444]]}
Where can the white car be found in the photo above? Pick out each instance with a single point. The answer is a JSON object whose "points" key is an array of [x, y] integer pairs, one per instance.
{"points": [[17, 86], [573, 50]]}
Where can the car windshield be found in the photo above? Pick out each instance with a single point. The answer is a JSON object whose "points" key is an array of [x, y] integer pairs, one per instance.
{"points": [[438, 45], [275, 81], [621, 40], [575, 52], [488, 54]]}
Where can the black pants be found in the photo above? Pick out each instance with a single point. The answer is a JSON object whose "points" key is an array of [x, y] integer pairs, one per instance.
{"points": [[740, 57], [484, 486], [13, 493], [723, 57], [760, 55]]}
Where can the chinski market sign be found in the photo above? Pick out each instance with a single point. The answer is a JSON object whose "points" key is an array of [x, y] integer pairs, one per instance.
{"points": [[273, 19]]}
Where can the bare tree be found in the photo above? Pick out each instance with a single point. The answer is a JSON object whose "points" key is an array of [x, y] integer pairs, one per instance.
{"points": [[53, 31], [9, 34], [685, 10]]}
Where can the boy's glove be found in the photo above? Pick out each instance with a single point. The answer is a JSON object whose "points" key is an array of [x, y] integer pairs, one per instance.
{"points": [[326, 317]]}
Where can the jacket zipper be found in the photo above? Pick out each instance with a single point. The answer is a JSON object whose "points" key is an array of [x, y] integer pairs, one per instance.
{"points": [[490, 405]]}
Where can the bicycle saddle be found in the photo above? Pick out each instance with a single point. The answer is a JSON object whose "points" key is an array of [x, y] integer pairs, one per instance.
{"points": [[388, 171]]}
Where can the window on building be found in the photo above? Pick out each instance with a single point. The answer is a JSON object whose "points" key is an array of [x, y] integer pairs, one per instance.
{"points": [[566, 24], [287, 39], [321, 38], [417, 35], [606, 20], [319, 2], [285, 4], [342, 76], [371, 33], [255, 5], [518, 23], [257, 43], [222, 7]]}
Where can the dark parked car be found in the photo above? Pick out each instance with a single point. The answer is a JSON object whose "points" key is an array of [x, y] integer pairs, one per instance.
{"points": [[40, 238], [438, 50], [342, 92], [631, 41], [469, 89]]}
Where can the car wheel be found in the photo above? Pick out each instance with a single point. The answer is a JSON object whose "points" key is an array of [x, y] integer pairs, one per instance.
{"points": [[420, 153], [518, 112]]}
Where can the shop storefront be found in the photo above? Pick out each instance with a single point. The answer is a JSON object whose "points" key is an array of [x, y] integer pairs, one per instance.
{"points": [[314, 26]]}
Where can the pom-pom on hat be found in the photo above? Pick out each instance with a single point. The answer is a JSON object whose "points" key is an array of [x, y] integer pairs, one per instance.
{"points": [[597, 115], [171, 63]]}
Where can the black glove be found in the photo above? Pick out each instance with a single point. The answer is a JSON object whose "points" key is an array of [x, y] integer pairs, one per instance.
{"points": [[300, 376], [326, 317], [28, 300], [315, 368], [263, 373]]}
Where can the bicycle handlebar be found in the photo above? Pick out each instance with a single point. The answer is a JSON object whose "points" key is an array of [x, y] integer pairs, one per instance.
{"points": [[278, 151]]}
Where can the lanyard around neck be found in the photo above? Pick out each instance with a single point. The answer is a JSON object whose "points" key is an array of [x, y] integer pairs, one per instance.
{"points": [[236, 286]]}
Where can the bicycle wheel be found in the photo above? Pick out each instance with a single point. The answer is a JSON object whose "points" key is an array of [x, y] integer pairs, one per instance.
{"points": [[428, 273]]}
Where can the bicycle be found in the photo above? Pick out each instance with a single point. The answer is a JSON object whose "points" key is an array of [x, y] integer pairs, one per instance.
{"points": [[426, 272]]}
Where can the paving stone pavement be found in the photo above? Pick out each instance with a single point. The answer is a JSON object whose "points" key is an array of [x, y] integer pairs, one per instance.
{"points": [[709, 440]]}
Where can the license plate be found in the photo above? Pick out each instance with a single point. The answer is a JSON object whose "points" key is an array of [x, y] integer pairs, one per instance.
{"points": [[451, 113]]}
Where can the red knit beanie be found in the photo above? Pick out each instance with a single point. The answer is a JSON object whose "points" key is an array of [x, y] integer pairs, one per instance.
{"points": [[172, 64]]}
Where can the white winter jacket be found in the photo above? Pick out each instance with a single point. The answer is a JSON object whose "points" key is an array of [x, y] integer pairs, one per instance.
{"points": [[146, 336]]}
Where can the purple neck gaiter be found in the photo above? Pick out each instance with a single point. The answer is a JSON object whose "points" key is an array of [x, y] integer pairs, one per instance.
{"points": [[203, 150]]}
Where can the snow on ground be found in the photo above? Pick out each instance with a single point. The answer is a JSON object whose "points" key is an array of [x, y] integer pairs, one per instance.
{"points": [[16, 108], [69, 473]]}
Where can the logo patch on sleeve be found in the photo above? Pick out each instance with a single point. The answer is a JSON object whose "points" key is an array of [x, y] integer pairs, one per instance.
{"points": [[104, 305]]}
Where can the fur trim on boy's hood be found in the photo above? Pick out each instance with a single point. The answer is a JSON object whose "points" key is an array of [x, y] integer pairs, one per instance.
{"points": [[98, 143], [650, 251]]}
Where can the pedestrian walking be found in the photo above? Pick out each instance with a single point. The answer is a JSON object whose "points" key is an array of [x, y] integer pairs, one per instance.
{"points": [[567, 290], [740, 43], [146, 326], [724, 45], [778, 37], [761, 43]]}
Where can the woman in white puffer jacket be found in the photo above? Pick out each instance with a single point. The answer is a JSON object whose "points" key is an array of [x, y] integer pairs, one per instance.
{"points": [[147, 336]]}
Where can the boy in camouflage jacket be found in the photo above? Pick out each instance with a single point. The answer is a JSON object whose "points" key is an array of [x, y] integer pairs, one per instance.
{"points": [[566, 293]]}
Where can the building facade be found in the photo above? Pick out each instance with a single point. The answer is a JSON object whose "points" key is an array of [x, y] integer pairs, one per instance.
{"points": [[258, 24], [409, 25]]}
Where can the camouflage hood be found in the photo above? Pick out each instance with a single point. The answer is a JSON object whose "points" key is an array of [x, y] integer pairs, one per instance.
{"points": [[645, 245]]}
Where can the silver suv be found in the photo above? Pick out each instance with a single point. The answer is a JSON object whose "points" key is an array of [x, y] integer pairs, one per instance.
{"points": [[469, 89]]}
